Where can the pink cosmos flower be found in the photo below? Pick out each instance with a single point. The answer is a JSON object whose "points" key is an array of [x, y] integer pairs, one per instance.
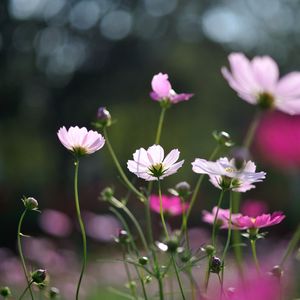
{"points": [[162, 90], [257, 82], [151, 164], [172, 205], [223, 174], [222, 218], [80, 141], [264, 220], [278, 140]]}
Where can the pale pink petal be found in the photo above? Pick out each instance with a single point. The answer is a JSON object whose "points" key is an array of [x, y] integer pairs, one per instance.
{"points": [[141, 157], [161, 85], [155, 154], [289, 85], [266, 72], [173, 169], [171, 158], [291, 107]]}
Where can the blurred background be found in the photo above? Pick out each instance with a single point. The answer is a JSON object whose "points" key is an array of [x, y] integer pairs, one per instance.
{"points": [[62, 59]]}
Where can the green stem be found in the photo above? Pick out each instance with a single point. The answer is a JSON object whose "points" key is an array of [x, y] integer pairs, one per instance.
{"points": [[253, 248], [213, 236], [21, 254], [132, 288], [207, 274], [162, 211], [252, 130], [160, 125], [291, 246], [81, 225], [228, 239], [119, 168], [178, 277], [28, 287]]}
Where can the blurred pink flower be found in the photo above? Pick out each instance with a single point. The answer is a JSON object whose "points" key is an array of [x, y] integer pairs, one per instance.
{"points": [[257, 82], [264, 220], [151, 164], [253, 208], [80, 141], [222, 219], [172, 205], [101, 227], [55, 223], [278, 140], [223, 174], [162, 90], [256, 287]]}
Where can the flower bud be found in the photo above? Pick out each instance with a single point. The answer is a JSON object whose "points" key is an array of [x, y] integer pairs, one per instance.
{"points": [[54, 293], [209, 249], [147, 279], [103, 117], [183, 189], [223, 138], [123, 237], [240, 155], [30, 203], [39, 276], [215, 265], [107, 194], [277, 271], [172, 244], [5, 291], [143, 260]]}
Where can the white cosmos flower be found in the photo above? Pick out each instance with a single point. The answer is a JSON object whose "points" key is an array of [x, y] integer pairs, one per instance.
{"points": [[224, 174], [151, 164]]}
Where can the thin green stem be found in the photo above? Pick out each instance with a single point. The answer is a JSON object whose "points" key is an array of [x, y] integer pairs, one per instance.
{"points": [[228, 239], [213, 236], [28, 287], [119, 168], [252, 130], [177, 276], [115, 202], [207, 273], [160, 125], [130, 282], [161, 211], [21, 254], [82, 229], [253, 248], [291, 246]]}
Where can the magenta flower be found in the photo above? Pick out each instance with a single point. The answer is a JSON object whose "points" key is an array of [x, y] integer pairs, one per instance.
{"points": [[223, 174], [253, 208], [264, 220], [151, 164], [162, 90], [171, 205], [80, 141], [278, 140], [222, 218], [257, 82]]}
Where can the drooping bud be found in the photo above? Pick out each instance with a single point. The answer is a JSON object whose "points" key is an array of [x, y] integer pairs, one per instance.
{"points": [[38, 276], [5, 291], [223, 138], [143, 260], [103, 117], [30, 203], [215, 265], [54, 292]]}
